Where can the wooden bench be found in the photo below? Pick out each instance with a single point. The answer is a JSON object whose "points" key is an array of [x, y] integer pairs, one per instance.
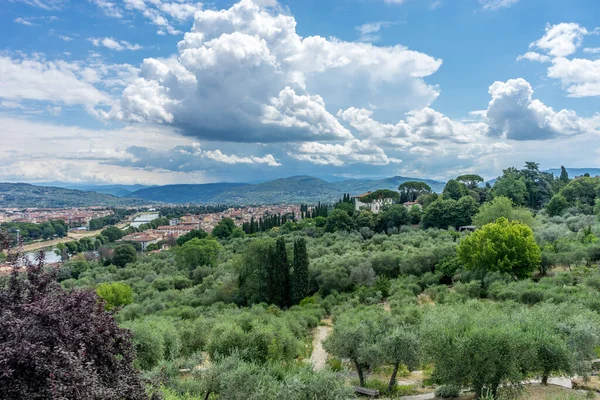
{"points": [[366, 392]]}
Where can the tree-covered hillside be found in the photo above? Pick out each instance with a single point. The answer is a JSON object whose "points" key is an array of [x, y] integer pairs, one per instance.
{"points": [[26, 195], [295, 190]]}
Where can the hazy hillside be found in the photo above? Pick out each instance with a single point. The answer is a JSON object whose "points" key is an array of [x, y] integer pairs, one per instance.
{"points": [[359, 186], [573, 172], [26, 195], [115, 190], [295, 189], [202, 193]]}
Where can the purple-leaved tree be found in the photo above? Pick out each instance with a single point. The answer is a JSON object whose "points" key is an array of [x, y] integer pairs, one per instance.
{"points": [[59, 344]]}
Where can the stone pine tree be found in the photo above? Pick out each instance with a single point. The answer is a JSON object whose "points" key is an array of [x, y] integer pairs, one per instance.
{"points": [[280, 276], [300, 274]]}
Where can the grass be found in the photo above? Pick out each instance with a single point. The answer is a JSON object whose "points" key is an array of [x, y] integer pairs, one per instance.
{"points": [[397, 392]]}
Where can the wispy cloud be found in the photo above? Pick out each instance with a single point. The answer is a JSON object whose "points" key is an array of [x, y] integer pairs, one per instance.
{"points": [[34, 21], [44, 4], [493, 5], [113, 44], [370, 32]]}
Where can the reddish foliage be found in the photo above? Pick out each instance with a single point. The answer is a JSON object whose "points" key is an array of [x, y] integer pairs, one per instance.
{"points": [[57, 344]]}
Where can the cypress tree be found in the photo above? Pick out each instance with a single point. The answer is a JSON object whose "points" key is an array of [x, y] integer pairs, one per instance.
{"points": [[564, 175], [280, 276], [300, 274]]}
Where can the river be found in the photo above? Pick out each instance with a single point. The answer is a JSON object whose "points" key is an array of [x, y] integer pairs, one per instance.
{"points": [[144, 219]]}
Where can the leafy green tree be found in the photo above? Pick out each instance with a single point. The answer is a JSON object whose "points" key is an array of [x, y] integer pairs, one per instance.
{"points": [[115, 294], [123, 255], [112, 233], [399, 346], [78, 267], [415, 214], [455, 190], [444, 213], [411, 190], [280, 289], [300, 284], [393, 216], [355, 335], [564, 175], [195, 234], [557, 205], [197, 252], [501, 246], [381, 194], [365, 218], [502, 207], [152, 247], [224, 229], [338, 220], [426, 199], [552, 354], [471, 180], [583, 189], [345, 206], [255, 271], [475, 346], [511, 185], [538, 184]]}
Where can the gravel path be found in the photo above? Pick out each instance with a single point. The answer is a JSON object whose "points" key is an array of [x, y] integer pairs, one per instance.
{"points": [[318, 358], [419, 397]]}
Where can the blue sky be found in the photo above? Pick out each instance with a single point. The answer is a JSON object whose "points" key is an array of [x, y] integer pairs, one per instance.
{"points": [[179, 91]]}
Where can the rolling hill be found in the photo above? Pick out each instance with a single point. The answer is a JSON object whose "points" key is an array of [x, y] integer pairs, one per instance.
{"points": [[115, 190], [295, 189], [13, 195], [193, 193]]}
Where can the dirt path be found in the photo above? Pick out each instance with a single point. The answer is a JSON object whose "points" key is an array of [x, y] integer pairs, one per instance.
{"points": [[318, 358]]}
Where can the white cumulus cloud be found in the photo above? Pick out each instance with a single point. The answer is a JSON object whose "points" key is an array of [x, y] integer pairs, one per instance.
{"points": [[562, 39], [514, 113], [113, 44], [244, 74]]}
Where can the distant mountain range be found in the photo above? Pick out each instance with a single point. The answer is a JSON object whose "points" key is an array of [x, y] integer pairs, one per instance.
{"points": [[292, 190], [573, 172], [115, 190], [295, 189], [17, 195]]}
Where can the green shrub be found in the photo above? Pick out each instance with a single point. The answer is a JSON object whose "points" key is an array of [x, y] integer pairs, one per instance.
{"points": [[335, 364], [447, 391]]}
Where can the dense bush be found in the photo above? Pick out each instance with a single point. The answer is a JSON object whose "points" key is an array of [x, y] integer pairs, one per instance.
{"points": [[447, 391], [61, 344]]}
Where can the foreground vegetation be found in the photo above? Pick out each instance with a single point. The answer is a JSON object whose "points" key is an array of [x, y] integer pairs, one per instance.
{"points": [[231, 315]]}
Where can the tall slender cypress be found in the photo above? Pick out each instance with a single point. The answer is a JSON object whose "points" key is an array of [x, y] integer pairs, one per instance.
{"points": [[280, 280], [300, 288]]}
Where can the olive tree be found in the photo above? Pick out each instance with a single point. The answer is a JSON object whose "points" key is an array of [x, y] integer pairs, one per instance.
{"points": [[502, 207], [475, 346], [355, 336]]}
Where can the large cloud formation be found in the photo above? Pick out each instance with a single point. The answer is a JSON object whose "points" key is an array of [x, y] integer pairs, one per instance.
{"points": [[244, 74], [513, 112], [580, 77]]}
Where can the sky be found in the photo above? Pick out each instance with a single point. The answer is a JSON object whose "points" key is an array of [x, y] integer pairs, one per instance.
{"points": [[180, 91]]}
